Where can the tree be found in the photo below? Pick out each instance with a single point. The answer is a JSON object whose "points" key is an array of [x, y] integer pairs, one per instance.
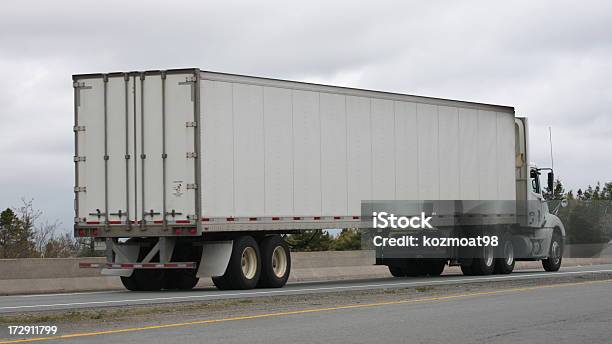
{"points": [[310, 240], [349, 239], [558, 191], [17, 232], [62, 246]]}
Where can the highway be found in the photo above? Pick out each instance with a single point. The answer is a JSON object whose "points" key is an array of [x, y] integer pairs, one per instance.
{"points": [[577, 312], [46, 302]]}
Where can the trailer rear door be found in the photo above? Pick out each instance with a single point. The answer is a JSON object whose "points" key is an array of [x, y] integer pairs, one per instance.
{"points": [[136, 154]]}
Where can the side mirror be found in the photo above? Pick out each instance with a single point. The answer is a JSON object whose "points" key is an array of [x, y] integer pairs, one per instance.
{"points": [[563, 203], [551, 181]]}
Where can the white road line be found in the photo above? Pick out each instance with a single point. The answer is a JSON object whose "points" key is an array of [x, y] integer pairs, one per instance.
{"points": [[289, 291], [62, 294]]}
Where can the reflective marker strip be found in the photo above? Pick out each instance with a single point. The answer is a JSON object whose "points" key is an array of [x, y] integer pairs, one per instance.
{"points": [[183, 265], [220, 220]]}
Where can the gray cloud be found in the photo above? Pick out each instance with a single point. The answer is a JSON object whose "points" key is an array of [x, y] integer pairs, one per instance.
{"points": [[552, 60]]}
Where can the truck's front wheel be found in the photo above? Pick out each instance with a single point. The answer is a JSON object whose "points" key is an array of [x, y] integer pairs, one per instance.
{"points": [[553, 262], [244, 267]]}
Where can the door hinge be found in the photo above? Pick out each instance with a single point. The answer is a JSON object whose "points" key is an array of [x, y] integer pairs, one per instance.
{"points": [[192, 155], [80, 189], [191, 81], [80, 85], [78, 128], [188, 80], [79, 158], [191, 124], [192, 186]]}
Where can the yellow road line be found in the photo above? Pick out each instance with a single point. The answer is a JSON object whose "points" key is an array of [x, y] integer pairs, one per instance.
{"points": [[302, 311]]}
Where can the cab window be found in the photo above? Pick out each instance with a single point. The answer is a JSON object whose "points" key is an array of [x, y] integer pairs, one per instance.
{"points": [[535, 181]]}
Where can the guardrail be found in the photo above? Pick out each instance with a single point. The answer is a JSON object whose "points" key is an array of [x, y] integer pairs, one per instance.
{"points": [[35, 275]]}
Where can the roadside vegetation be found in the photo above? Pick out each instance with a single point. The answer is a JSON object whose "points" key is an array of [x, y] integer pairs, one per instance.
{"points": [[588, 214], [23, 235]]}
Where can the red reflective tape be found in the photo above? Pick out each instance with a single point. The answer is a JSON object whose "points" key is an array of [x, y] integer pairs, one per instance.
{"points": [[126, 265], [158, 221], [337, 217], [170, 265], [355, 217], [93, 222], [275, 218], [317, 217], [252, 219], [182, 221], [230, 219], [297, 218], [205, 219], [114, 222]]}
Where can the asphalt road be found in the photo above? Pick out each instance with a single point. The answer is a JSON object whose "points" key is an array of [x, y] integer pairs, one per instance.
{"points": [[570, 313], [29, 303]]}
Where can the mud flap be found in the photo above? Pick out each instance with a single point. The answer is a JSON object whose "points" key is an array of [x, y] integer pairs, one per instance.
{"points": [[215, 257]]}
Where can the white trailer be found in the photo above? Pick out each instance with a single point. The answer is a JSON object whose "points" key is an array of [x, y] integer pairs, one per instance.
{"points": [[203, 170]]}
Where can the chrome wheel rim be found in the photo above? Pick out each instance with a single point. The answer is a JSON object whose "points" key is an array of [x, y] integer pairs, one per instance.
{"points": [[555, 252], [489, 256], [279, 261], [248, 262], [509, 253]]}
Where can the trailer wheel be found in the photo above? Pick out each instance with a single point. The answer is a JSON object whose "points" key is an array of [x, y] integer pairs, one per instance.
{"points": [[466, 269], [505, 265], [434, 267], [414, 268], [244, 267], [553, 262], [130, 282], [182, 279], [485, 264], [397, 271], [275, 262]]}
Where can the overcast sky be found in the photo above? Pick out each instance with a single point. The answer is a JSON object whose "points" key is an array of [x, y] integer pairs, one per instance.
{"points": [[551, 60]]}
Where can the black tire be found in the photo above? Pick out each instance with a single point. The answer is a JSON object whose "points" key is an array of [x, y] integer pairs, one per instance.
{"points": [[150, 279], [434, 267], [144, 280], [484, 265], [505, 265], [234, 277], [466, 269], [397, 271], [413, 267], [181, 279], [275, 254], [555, 255], [221, 283], [130, 282]]}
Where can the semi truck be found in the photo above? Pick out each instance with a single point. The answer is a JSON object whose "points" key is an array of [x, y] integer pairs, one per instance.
{"points": [[186, 173]]}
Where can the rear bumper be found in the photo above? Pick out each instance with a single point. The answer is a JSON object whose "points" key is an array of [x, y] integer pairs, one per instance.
{"points": [[173, 265]]}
